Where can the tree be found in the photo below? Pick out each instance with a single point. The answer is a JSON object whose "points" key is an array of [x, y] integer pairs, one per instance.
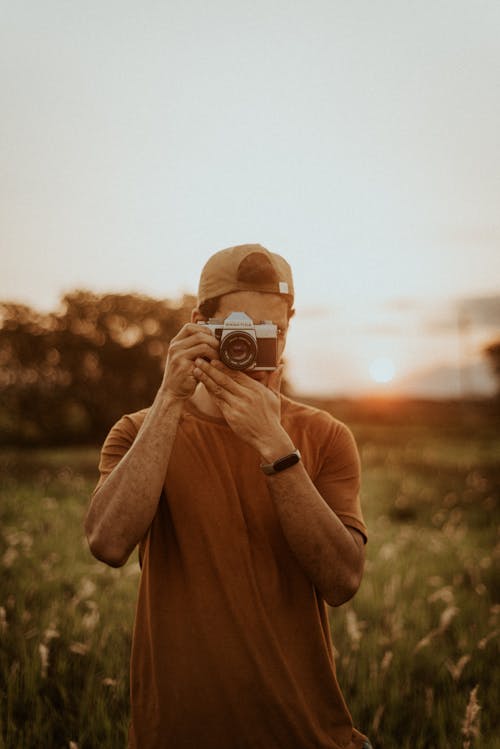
{"points": [[68, 375], [493, 354]]}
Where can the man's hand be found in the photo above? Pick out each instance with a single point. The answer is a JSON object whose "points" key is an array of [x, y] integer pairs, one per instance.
{"points": [[191, 342], [251, 409], [329, 553]]}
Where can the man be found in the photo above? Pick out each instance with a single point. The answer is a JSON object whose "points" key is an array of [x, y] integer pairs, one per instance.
{"points": [[245, 507]]}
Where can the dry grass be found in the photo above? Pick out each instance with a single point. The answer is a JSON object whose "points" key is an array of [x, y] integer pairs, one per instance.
{"points": [[415, 649]]}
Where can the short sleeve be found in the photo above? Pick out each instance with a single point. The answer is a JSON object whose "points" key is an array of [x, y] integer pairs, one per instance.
{"points": [[116, 444], [339, 478]]}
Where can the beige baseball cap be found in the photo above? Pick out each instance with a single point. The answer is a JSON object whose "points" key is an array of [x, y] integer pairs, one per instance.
{"points": [[246, 267]]}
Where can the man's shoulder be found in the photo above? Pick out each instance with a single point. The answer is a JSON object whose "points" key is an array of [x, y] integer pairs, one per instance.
{"points": [[307, 415], [295, 409], [130, 423]]}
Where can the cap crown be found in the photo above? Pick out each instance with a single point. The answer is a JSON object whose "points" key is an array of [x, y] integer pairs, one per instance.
{"points": [[245, 267]]}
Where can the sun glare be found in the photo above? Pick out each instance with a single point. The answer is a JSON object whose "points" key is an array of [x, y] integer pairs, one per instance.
{"points": [[382, 369]]}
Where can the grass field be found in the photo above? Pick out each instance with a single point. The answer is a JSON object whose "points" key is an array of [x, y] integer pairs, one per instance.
{"points": [[417, 649]]}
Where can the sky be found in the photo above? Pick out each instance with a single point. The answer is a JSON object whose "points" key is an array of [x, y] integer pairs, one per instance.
{"points": [[360, 140]]}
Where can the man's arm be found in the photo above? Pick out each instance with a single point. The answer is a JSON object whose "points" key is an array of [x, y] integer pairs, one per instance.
{"points": [[123, 507], [331, 554]]}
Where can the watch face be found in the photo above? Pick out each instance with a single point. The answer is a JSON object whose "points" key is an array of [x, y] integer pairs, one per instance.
{"points": [[286, 462], [281, 463]]}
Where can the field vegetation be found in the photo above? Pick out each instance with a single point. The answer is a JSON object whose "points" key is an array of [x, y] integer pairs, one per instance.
{"points": [[416, 650]]}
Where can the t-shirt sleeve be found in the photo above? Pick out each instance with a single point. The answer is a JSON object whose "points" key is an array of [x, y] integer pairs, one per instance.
{"points": [[339, 478], [116, 444]]}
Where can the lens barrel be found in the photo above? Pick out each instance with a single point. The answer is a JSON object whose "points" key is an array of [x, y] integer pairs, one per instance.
{"points": [[238, 350]]}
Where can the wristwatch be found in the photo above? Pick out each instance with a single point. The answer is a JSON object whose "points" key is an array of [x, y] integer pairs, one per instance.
{"points": [[281, 463]]}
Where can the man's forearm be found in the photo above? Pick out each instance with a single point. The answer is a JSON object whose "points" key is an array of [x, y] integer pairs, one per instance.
{"points": [[123, 508], [328, 552], [330, 555]]}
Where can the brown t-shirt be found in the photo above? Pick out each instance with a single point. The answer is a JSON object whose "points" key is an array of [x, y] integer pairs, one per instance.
{"points": [[231, 645]]}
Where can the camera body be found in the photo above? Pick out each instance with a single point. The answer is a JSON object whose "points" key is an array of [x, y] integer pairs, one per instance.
{"points": [[245, 345]]}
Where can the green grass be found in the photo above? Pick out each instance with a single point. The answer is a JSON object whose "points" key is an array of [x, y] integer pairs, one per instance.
{"points": [[419, 636], [67, 618]]}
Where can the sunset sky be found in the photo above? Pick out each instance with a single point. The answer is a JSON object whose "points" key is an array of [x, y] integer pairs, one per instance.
{"points": [[360, 140]]}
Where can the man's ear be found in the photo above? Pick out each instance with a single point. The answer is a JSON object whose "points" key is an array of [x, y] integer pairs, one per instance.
{"points": [[196, 315]]}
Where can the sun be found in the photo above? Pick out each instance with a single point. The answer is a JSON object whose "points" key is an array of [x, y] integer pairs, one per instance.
{"points": [[382, 369]]}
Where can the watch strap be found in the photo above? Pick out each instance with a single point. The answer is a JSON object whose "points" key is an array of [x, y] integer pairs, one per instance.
{"points": [[280, 464]]}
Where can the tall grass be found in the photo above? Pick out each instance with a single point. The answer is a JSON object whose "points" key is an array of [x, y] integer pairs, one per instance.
{"points": [[66, 618], [423, 629], [416, 650]]}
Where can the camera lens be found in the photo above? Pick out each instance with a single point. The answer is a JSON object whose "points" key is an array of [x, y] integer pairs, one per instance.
{"points": [[238, 350]]}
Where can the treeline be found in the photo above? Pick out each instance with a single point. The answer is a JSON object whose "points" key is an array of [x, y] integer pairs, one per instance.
{"points": [[66, 376]]}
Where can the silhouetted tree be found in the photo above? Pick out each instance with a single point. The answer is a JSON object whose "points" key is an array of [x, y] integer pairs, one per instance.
{"points": [[68, 375], [493, 354]]}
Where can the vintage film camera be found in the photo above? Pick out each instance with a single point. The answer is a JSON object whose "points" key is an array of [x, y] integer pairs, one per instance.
{"points": [[245, 344]]}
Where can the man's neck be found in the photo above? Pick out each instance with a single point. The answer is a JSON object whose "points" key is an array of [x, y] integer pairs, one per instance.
{"points": [[203, 401]]}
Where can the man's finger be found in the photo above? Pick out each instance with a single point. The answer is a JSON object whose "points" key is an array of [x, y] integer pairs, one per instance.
{"points": [[199, 350], [217, 391], [191, 335], [235, 375], [214, 375], [191, 328]]}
